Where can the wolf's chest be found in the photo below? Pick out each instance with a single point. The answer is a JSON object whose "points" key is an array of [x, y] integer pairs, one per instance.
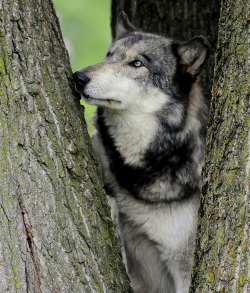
{"points": [[132, 136]]}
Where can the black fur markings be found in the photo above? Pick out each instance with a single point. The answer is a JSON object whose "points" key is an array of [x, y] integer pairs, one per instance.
{"points": [[172, 157], [183, 79], [127, 176]]}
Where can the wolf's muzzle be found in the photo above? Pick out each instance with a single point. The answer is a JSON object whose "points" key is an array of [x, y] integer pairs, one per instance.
{"points": [[81, 79]]}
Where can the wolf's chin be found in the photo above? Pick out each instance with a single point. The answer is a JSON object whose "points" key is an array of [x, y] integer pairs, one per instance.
{"points": [[100, 102]]}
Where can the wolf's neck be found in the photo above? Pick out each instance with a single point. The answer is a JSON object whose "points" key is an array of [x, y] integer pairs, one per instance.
{"points": [[131, 133]]}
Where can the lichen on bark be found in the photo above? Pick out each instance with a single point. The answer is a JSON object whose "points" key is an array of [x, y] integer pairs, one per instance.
{"points": [[56, 234], [222, 253]]}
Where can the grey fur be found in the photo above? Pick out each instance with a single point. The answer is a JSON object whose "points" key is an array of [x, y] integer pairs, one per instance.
{"points": [[150, 139]]}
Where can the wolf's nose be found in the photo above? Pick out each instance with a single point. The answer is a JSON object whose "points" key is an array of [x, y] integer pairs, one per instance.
{"points": [[81, 79]]}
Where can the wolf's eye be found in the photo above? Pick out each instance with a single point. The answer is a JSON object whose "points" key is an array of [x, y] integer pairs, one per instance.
{"points": [[136, 63]]}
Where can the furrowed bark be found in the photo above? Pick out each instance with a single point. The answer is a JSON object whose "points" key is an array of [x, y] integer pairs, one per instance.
{"points": [[56, 234], [222, 254]]}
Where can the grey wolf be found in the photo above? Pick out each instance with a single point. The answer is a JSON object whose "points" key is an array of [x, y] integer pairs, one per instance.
{"points": [[151, 124]]}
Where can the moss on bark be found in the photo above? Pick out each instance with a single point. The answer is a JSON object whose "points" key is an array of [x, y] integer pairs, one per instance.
{"points": [[56, 233], [222, 253]]}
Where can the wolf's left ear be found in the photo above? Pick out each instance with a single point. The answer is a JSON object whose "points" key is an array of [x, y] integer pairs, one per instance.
{"points": [[123, 25], [192, 54]]}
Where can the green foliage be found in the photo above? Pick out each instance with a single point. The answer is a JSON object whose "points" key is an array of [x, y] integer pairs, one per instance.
{"points": [[85, 26]]}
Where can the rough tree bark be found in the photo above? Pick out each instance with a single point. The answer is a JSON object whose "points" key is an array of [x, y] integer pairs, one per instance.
{"points": [[179, 19], [56, 234], [222, 258]]}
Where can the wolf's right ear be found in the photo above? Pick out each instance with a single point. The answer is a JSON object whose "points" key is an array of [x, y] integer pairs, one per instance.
{"points": [[123, 25], [192, 54]]}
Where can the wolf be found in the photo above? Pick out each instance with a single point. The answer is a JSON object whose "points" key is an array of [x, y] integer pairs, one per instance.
{"points": [[151, 124]]}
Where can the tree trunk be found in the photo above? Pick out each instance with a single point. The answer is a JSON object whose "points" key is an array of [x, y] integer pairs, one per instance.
{"points": [[222, 254], [178, 19], [56, 234]]}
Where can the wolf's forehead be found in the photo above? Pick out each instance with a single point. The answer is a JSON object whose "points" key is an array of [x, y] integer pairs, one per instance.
{"points": [[138, 44]]}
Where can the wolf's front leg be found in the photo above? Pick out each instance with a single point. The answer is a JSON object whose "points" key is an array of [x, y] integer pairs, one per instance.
{"points": [[158, 245], [147, 272], [181, 273]]}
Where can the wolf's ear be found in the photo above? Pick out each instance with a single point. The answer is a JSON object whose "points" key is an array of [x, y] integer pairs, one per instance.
{"points": [[123, 25], [192, 54]]}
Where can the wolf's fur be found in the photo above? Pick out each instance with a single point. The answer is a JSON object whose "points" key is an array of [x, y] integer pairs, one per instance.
{"points": [[150, 138]]}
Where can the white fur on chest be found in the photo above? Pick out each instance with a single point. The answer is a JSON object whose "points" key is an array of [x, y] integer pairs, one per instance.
{"points": [[132, 133], [135, 126]]}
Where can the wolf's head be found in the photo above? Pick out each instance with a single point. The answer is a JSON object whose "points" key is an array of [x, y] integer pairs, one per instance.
{"points": [[142, 71]]}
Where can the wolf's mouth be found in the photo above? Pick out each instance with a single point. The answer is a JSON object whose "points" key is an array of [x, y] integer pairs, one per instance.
{"points": [[89, 98]]}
